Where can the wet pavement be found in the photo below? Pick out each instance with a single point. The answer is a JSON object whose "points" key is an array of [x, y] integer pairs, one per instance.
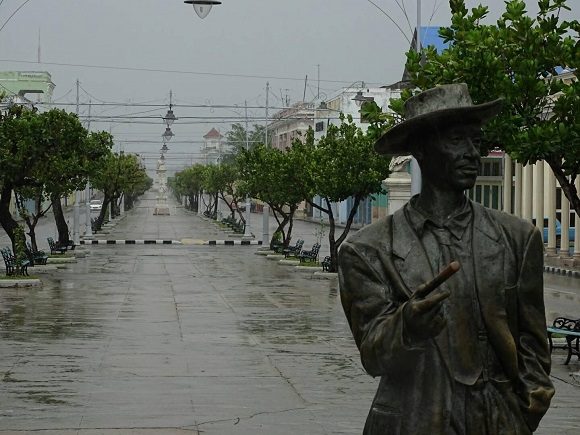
{"points": [[190, 339]]}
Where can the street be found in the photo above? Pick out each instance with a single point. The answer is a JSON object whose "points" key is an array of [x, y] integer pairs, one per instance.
{"points": [[181, 339]]}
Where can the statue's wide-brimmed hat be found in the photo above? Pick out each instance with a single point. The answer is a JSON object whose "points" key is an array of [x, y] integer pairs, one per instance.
{"points": [[441, 105]]}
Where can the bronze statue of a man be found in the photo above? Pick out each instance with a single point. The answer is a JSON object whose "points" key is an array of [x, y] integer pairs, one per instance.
{"points": [[468, 356]]}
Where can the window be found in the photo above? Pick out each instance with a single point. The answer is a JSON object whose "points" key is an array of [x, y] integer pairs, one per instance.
{"points": [[319, 126]]}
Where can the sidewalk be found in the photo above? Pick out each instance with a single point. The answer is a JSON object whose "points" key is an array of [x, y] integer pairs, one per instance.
{"points": [[190, 339]]}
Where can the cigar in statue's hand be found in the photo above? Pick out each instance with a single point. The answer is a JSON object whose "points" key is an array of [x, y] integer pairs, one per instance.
{"points": [[443, 276]]}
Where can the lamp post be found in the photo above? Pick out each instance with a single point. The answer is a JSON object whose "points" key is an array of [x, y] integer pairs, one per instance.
{"points": [[161, 207], [202, 7]]}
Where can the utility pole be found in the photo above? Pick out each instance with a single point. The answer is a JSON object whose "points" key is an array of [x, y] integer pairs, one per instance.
{"points": [[266, 209], [247, 232], [88, 224], [318, 92], [415, 169], [76, 209]]}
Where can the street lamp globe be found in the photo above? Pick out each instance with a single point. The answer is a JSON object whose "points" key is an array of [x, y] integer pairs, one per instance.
{"points": [[359, 99], [167, 135], [164, 148], [169, 118], [202, 7]]}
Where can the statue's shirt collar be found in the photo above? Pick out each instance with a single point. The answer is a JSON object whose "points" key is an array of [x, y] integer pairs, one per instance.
{"points": [[456, 223]]}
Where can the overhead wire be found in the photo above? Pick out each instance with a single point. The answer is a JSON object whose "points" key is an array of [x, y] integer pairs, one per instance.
{"points": [[159, 70], [14, 13]]}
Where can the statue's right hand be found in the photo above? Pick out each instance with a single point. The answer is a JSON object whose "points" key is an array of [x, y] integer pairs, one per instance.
{"points": [[423, 315]]}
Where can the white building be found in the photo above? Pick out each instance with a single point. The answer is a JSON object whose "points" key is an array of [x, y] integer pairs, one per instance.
{"points": [[328, 114], [291, 123], [213, 147]]}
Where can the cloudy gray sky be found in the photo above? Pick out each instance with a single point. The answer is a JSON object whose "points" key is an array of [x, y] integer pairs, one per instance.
{"points": [[151, 46]]}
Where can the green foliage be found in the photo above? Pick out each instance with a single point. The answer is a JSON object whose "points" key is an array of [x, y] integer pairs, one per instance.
{"points": [[19, 244], [119, 174], [516, 59], [236, 137], [276, 177], [189, 182], [344, 164]]}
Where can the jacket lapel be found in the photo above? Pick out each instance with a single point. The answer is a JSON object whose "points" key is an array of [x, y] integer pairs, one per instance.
{"points": [[412, 261], [488, 256]]}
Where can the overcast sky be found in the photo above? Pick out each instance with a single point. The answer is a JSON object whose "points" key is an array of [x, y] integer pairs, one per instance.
{"points": [[210, 61]]}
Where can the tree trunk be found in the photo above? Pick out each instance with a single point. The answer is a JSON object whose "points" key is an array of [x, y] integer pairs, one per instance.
{"points": [[567, 185], [31, 221], [215, 206], [6, 219], [61, 225], [331, 241], [103, 213]]}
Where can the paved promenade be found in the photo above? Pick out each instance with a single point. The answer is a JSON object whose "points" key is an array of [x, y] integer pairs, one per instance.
{"points": [[192, 339]]}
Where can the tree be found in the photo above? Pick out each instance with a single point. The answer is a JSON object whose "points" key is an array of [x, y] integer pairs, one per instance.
{"points": [[72, 156], [189, 183], [236, 137], [518, 58], [275, 177], [341, 165], [227, 182], [17, 156], [118, 173]]}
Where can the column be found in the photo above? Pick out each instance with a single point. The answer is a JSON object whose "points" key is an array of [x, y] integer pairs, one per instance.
{"points": [[551, 204], [565, 222], [518, 190], [398, 187], [507, 183], [527, 192], [577, 228], [76, 218], [89, 228], [538, 188]]}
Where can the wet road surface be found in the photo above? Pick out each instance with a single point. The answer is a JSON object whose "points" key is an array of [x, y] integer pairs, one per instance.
{"points": [[182, 339]]}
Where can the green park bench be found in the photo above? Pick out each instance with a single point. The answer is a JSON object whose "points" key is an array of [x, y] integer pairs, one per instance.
{"points": [[326, 264], [570, 330], [55, 248], [310, 256], [35, 256], [13, 265], [293, 251]]}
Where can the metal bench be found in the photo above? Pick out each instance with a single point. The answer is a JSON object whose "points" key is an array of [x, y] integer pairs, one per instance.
{"points": [[310, 256], [326, 264], [570, 329], [35, 256], [54, 247], [13, 265], [293, 251]]}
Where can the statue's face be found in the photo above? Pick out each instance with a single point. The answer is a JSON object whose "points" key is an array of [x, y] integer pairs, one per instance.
{"points": [[452, 158]]}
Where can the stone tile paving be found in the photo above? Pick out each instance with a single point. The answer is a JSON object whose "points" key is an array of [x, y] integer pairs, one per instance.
{"points": [[190, 339]]}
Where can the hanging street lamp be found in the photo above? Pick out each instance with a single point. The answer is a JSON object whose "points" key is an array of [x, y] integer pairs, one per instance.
{"points": [[170, 117], [202, 7]]}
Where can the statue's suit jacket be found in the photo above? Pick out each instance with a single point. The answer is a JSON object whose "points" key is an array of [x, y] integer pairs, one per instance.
{"points": [[381, 265]]}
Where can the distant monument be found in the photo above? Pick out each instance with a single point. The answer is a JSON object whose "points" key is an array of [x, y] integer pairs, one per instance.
{"points": [[161, 207]]}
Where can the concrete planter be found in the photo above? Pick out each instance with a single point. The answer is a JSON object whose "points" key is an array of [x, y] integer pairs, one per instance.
{"points": [[61, 260], [325, 275], [287, 262], [12, 283], [312, 269]]}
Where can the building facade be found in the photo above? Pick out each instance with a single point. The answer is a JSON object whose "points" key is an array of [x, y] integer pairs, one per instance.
{"points": [[213, 147]]}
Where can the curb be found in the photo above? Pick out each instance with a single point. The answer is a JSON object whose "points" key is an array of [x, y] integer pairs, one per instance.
{"points": [[19, 283], [233, 242], [561, 271], [130, 242]]}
